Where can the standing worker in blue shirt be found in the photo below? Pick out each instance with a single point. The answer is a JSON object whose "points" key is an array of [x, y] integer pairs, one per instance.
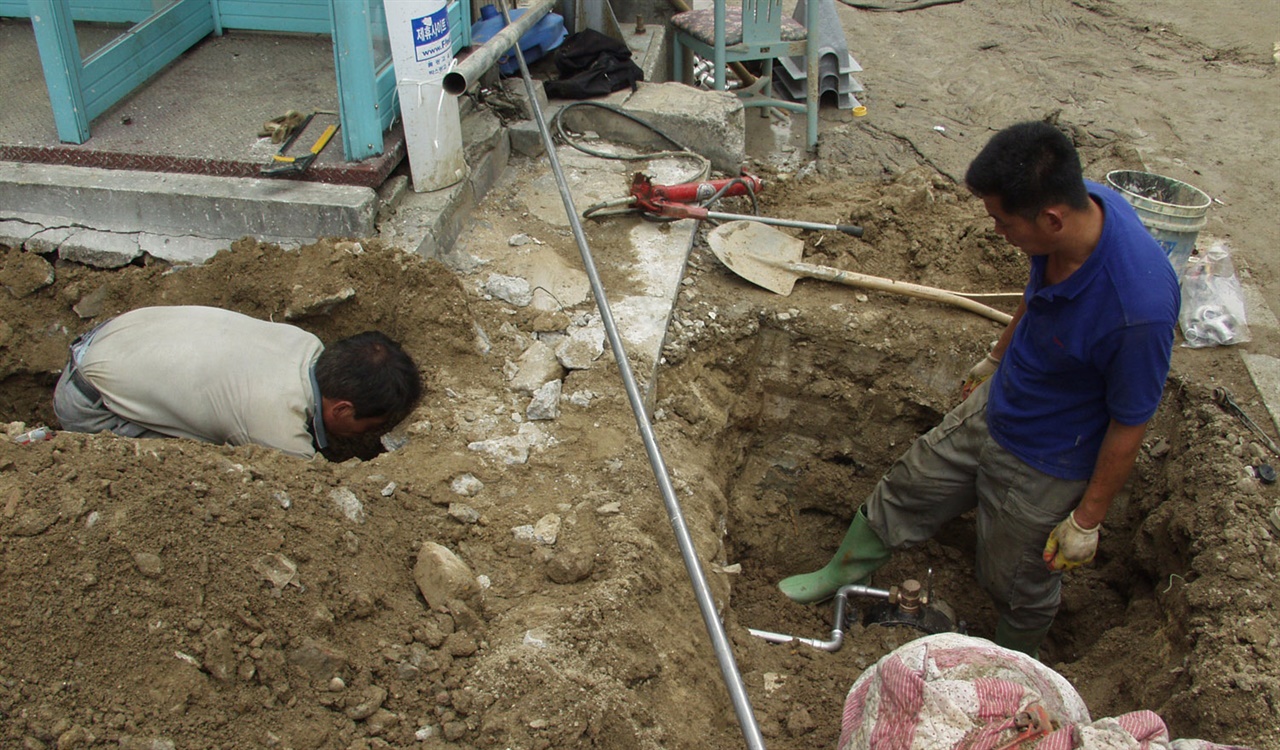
{"points": [[1054, 416]]}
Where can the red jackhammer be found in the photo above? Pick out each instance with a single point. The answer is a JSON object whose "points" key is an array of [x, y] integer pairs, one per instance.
{"points": [[681, 202]]}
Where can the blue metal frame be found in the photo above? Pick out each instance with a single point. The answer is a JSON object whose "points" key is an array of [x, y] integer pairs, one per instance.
{"points": [[82, 89]]}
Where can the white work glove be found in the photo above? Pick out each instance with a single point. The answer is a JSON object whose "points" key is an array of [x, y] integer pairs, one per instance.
{"points": [[978, 374], [1070, 545]]}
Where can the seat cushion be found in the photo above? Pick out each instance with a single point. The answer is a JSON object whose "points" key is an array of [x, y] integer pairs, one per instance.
{"points": [[701, 25]]}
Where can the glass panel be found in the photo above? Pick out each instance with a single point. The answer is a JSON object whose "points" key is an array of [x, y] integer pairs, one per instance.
{"points": [[378, 34]]}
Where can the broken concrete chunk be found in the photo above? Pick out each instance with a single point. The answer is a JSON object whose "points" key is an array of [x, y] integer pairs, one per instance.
{"points": [[25, 273], [513, 449], [583, 347], [536, 366], [467, 485], [14, 233], [581, 398], [512, 289], [348, 504], [547, 529], [463, 513], [546, 402], [186, 249], [48, 241], [100, 249], [309, 306], [441, 575]]}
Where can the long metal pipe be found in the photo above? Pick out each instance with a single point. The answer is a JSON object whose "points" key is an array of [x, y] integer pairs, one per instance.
{"points": [[467, 72], [701, 590]]}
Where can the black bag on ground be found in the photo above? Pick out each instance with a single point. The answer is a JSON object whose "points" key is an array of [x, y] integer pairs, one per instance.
{"points": [[592, 64]]}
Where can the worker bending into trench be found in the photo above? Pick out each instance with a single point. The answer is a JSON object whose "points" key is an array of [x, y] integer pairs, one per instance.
{"points": [[1054, 416], [221, 377]]}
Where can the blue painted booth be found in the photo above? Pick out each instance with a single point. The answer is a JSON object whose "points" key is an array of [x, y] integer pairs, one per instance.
{"points": [[80, 89]]}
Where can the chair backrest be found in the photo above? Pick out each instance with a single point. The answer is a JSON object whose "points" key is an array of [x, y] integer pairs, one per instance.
{"points": [[761, 20]]}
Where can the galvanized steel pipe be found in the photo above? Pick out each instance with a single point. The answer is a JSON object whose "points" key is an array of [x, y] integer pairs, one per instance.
{"points": [[701, 590], [837, 631], [468, 71]]}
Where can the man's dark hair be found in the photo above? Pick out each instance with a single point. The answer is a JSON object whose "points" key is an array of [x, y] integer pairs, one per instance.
{"points": [[372, 372], [1029, 166]]}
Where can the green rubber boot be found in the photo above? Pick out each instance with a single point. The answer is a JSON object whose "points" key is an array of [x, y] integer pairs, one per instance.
{"points": [[1016, 639], [860, 554]]}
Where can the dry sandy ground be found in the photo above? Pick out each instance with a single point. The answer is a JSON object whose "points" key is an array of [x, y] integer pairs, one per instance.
{"points": [[162, 594]]}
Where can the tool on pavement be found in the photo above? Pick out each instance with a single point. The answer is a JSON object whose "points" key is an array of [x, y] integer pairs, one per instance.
{"points": [[677, 201], [691, 200], [279, 128], [771, 259], [282, 164], [1223, 398]]}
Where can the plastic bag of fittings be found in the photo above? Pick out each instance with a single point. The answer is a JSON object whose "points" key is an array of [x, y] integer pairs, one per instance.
{"points": [[1212, 301]]}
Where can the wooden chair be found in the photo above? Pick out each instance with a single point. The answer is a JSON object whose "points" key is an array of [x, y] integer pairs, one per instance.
{"points": [[756, 31]]}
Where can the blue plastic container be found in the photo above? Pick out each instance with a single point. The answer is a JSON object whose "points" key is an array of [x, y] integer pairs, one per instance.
{"points": [[544, 36]]}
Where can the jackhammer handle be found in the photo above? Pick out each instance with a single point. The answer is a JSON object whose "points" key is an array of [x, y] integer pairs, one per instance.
{"points": [[853, 230]]}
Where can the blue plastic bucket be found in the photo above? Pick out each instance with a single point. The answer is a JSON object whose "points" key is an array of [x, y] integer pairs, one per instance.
{"points": [[1171, 210]]}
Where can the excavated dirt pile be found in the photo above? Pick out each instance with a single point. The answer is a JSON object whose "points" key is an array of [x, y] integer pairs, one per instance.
{"points": [[478, 578]]}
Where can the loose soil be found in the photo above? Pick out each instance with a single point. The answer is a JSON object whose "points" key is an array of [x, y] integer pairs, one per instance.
{"points": [[147, 589]]}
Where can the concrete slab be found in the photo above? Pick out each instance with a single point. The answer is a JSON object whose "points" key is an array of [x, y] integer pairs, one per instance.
{"points": [[644, 261], [183, 205], [100, 249]]}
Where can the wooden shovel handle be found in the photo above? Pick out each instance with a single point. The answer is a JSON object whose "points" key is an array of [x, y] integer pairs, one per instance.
{"points": [[853, 278]]}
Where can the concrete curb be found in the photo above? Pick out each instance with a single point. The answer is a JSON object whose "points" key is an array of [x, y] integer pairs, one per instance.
{"points": [[184, 216]]}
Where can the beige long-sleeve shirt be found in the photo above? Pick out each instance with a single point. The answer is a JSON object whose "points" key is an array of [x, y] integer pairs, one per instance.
{"points": [[209, 374]]}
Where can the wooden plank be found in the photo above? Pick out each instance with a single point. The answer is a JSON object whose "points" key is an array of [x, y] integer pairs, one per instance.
{"points": [[120, 67]]}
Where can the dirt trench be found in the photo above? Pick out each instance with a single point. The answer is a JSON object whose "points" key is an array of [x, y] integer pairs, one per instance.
{"points": [[135, 575], [1175, 615]]}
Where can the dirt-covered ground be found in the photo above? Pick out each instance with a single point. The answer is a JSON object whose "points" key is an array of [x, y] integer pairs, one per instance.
{"points": [[162, 594]]}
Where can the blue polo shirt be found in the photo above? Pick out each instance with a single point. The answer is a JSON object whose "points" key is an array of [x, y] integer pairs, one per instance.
{"points": [[1090, 349]]}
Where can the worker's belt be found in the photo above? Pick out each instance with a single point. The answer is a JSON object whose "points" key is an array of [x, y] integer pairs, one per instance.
{"points": [[83, 385], [77, 348]]}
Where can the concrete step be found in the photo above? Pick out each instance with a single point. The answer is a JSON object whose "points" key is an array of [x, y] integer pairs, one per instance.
{"points": [[116, 215]]}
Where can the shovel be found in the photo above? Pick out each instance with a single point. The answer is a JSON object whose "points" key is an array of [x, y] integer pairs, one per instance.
{"points": [[771, 259]]}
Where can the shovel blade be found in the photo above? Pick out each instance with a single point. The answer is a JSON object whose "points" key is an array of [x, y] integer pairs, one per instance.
{"points": [[758, 253]]}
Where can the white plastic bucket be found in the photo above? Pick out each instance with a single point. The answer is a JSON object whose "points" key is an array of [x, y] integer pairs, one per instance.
{"points": [[422, 53], [1171, 210]]}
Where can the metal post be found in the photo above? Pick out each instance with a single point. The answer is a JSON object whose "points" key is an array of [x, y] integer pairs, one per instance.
{"points": [[702, 592]]}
